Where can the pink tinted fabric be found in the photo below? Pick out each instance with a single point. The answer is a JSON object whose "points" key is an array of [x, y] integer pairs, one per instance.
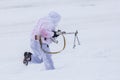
{"points": [[45, 29]]}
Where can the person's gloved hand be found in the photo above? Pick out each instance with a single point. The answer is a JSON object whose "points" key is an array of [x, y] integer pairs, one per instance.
{"points": [[56, 33]]}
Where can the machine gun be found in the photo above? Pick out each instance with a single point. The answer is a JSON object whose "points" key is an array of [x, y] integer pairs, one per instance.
{"points": [[59, 32]]}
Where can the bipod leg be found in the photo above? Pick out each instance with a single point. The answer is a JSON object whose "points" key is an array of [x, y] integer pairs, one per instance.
{"points": [[74, 44], [78, 40]]}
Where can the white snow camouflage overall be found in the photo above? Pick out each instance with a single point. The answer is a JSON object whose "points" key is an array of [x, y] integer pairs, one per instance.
{"points": [[44, 28]]}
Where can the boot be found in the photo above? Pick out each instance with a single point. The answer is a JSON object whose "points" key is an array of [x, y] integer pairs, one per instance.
{"points": [[27, 58]]}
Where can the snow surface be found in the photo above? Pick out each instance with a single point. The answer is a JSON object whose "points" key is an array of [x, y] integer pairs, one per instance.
{"points": [[98, 23]]}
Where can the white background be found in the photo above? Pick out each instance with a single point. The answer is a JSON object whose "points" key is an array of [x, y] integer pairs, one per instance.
{"points": [[98, 23]]}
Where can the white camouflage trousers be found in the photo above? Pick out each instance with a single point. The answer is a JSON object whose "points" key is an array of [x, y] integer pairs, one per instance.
{"points": [[40, 56]]}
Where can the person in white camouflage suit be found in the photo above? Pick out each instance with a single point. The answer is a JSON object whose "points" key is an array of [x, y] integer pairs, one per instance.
{"points": [[46, 29]]}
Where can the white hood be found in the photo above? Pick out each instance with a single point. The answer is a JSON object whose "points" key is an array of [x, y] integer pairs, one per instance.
{"points": [[55, 17]]}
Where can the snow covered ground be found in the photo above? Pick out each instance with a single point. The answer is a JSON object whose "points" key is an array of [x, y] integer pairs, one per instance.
{"points": [[98, 23]]}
